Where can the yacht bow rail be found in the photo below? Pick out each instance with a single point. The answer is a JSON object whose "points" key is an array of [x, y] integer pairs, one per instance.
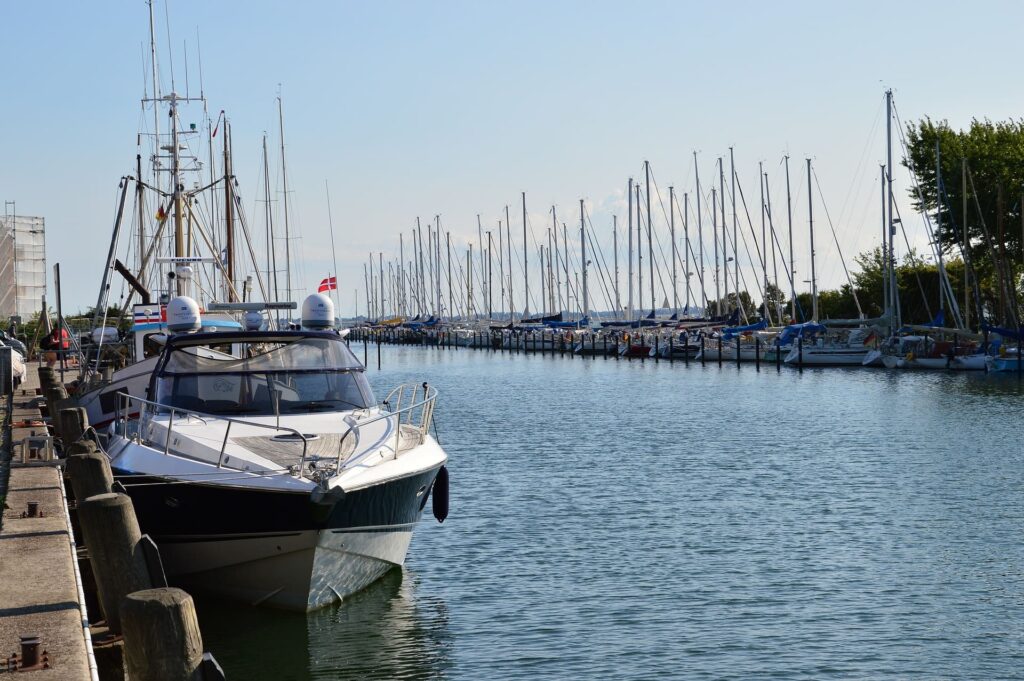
{"points": [[413, 419]]}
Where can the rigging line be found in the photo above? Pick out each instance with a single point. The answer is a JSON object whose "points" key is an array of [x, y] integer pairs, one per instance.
{"points": [[743, 278], [600, 270], [248, 242], [935, 243], [603, 268], [857, 173], [753, 235], [853, 289], [693, 257], [657, 267], [913, 261], [661, 247], [997, 261], [958, 230]]}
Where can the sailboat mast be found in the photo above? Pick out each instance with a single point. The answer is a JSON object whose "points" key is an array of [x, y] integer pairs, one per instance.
{"points": [[686, 248], [725, 241], [672, 233], [483, 265], [700, 231], [810, 221], [490, 272], [963, 225], [764, 242], [629, 252], [792, 265], [583, 252], [139, 199], [271, 244], [402, 311], [714, 231], [380, 284], [615, 255], [551, 278], [650, 233], [287, 226], [565, 263], [526, 264], [639, 254], [508, 234], [229, 224], [938, 225], [735, 234], [890, 264], [501, 263], [448, 245]]}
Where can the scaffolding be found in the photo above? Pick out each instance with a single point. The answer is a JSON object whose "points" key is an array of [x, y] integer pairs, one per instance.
{"points": [[22, 266]]}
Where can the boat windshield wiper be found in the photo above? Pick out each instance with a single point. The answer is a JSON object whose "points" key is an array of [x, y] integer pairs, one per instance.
{"points": [[321, 405]]}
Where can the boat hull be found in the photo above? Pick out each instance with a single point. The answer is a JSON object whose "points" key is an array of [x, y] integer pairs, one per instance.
{"points": [[285, 549]]}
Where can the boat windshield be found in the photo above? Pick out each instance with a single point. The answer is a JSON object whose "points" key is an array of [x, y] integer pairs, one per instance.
{"points": [[265, 378]]}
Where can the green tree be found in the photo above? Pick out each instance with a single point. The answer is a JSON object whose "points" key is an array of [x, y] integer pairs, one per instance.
{"points": [[991, 157]]}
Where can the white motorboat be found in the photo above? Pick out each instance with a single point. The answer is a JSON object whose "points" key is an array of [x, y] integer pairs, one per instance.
{"points": [[268, 474]]}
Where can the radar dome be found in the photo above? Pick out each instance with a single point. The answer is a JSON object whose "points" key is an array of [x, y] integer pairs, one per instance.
{"points": [[183, 315], [317, 312], [253, 321]]}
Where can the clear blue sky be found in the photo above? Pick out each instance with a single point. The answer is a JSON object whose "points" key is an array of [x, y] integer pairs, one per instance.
{"points": [[453, 108]]}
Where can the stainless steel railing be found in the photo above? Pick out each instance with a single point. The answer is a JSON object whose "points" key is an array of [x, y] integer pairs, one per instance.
{"points": [[416, 415]]}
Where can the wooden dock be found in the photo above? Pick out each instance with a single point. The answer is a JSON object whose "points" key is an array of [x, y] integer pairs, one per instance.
{"points": [[40, 586]]}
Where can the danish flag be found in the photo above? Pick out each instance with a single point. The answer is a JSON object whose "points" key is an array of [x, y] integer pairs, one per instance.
{"points": [[328, 284]]}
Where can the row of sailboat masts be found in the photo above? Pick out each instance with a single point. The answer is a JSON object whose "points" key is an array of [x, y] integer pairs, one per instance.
{"points": [[417, 285], [414, 285]]}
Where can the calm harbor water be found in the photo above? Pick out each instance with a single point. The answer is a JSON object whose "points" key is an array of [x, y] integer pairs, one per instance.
{"points": [[614, 519]]}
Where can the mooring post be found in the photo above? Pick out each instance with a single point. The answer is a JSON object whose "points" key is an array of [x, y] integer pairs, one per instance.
{"points": [[757, 352], [800, 349], [54, 396], [162, 640], [778, 355], [73, 424], [702, 360], [90, 474], [719, 351], [112, 536]]}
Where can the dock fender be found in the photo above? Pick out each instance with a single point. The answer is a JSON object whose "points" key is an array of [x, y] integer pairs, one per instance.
{"points": [[322, 502], [439, 495]]}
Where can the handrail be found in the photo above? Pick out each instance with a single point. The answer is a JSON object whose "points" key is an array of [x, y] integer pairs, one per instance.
{"points": [[425, 403], [129, 398]]}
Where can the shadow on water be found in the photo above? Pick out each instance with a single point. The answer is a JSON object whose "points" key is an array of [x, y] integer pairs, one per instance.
{"points": [[383, 632]]}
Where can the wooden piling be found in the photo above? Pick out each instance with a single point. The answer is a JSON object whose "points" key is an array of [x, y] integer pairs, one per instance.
{"points": [[162, 641], [73, 423], [90, 474], [112, 535]]}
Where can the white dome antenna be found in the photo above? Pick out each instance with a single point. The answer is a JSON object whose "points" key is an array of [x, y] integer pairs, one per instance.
{"points": [[317, 312], [183, 315]]}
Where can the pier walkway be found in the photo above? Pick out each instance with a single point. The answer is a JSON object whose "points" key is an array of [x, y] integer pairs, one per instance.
{"points": [[40, 588]]}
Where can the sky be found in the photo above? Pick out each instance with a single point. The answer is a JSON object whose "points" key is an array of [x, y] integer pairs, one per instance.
{"points": [[407, 109]]}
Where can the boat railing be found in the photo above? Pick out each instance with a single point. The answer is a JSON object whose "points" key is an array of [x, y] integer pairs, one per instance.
{"points": [[416, 415], [410, 406], [147, 407]]}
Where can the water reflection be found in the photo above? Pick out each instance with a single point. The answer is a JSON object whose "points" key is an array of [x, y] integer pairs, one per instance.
{"points": [[383, 632]]}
